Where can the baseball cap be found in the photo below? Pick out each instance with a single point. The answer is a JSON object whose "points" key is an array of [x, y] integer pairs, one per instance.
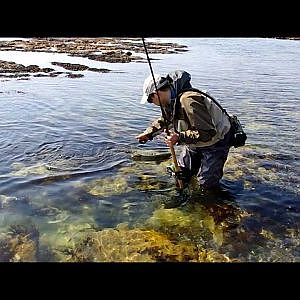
{"points": [[149, 86]]}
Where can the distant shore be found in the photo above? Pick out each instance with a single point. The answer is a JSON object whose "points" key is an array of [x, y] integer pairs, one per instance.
{"points": [[112, 50], [296, 38]]}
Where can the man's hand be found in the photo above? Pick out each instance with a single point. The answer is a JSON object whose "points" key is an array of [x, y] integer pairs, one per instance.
{"points": [[143, 138], [172, 139]]}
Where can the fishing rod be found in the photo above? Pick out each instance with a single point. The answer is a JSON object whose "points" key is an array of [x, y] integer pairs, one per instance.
{"points": [[176, 166]]}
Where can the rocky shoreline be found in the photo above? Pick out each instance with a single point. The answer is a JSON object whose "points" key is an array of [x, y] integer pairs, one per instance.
{"points": [[295, 38], [111, 50]]}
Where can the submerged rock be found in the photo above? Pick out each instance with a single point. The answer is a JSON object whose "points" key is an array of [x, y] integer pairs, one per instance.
{"points": [[252, 159], [199, 222], [7, 201], [136, 245], [108, 186], [20, 244], [61, 217], [21, 170], [63, 237], [46, 211], [150, 155]]}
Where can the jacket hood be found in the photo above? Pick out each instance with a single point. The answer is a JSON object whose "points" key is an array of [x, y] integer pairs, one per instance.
{"points": [[180, 80]]}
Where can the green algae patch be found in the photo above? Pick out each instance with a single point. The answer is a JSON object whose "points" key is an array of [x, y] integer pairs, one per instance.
{"points": [[148, 171], [137, 245], [250, 158], [63, 238], [20, 244], [148, 183], [7, 201], [182, 225], [21, 170], [44, 168], [196, 222], [108, 186]]}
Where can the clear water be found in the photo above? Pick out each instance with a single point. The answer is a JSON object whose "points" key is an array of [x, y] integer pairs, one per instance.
{"points": [[59, 135]]}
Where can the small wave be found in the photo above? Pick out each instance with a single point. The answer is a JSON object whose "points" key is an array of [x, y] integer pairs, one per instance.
{"points": [[50, 178]]}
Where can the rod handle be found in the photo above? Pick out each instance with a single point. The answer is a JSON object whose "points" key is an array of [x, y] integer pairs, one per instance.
{"points": [[176, 166]]}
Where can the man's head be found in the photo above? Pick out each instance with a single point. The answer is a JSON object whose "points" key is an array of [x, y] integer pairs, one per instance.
{"points": [[162, 83]]}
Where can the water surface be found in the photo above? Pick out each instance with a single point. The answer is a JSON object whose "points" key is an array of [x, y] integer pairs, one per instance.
{"points": [[66, 145]]}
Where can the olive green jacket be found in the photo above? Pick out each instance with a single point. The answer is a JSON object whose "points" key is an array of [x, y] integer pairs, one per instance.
{"points": [[197, 119]]}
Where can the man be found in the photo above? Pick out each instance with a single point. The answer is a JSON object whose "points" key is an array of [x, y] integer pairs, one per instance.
{"points": [[198, 122]]}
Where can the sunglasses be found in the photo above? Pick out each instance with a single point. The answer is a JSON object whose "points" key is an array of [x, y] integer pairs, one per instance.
{"points": [[150, 98]]}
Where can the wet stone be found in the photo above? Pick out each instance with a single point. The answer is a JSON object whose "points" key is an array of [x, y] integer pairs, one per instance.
{"points": [[74, 75], [150, 155]]}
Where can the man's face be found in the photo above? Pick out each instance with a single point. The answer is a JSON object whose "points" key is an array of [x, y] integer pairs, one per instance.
{"points": [[164, 96]]}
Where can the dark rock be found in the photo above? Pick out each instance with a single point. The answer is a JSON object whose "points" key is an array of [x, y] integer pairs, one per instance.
{"points": [[47, 70], [99, 70], [112, 50], [71, 75], [69, 66], [40, 75]]}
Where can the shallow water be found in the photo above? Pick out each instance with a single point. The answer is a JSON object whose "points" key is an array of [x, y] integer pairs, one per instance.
{"points": [[65, 146]]}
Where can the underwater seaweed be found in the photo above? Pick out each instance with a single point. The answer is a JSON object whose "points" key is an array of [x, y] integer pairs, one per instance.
{"points": [[136, 245]]}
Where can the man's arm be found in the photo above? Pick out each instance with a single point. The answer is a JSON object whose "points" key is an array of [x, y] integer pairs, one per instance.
{"points": [[153, 130]]}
